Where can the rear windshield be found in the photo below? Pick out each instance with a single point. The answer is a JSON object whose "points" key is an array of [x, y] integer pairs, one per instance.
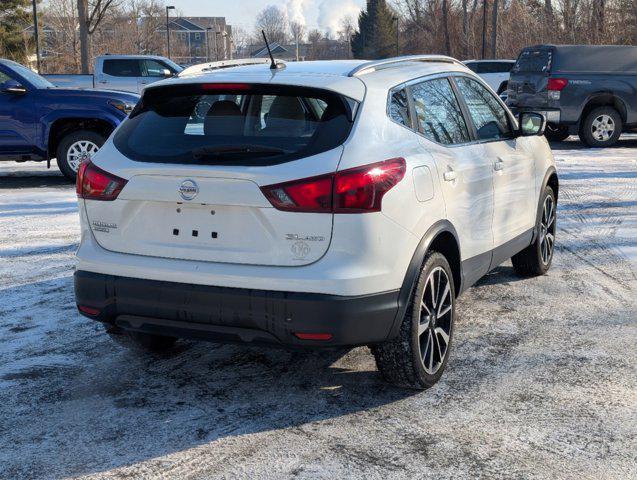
{"points": [[533, 61], [246, 124]]}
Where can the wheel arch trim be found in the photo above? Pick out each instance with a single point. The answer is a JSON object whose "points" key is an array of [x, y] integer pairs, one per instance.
{"points": [[550, 172], [413, 270]]}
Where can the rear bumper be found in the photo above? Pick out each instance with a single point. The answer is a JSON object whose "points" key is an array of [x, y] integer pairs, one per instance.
{"points": [[552, 116], [235, 314]]}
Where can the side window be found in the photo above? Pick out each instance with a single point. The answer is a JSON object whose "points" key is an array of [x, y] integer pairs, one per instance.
{"points": [[473, 66], [153, 68], [489, 117], [4, 77], [399, 107], [122, 68], [438, 113]]}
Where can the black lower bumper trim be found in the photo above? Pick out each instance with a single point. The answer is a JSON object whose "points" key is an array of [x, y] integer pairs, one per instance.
{"points": [[235, 314]]}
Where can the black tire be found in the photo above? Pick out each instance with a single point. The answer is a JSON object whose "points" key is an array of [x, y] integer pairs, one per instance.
{"points": [[589, 133], [556, 133], [503, 87], [530, 262], [70, 139], [142, 341], [400, 361]]}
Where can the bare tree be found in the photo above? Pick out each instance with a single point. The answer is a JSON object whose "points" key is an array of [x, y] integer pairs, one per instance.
{"points": [[90, 14], [273, 21], [63, 45], [297, 30], [494, 28]]}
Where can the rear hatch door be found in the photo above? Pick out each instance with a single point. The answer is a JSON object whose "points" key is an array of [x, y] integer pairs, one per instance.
{"points": [[194, 160], [528, 80]]}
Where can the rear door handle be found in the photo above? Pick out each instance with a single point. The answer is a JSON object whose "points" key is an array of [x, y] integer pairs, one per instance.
{"points": [[449, 176], [498, 165]]}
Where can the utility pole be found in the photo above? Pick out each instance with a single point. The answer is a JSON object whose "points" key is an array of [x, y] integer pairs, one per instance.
{"points": [[168, 30], [36, 34], [484, 28]]}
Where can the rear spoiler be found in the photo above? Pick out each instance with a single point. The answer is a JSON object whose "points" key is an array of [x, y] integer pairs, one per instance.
{"points": [[213, 66]]}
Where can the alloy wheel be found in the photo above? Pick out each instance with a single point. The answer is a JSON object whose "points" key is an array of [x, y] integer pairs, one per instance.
{"points": [[79, 152], [436, 315], [603, 128], [547, 230]]}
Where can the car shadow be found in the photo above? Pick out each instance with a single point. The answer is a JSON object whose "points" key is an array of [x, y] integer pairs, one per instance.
{"points": [[125, 407], [31, 180], [501, 275], [628, 141]]}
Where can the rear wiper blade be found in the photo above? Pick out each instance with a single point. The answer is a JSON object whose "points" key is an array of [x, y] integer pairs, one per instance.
{"points": [[222, 150]]}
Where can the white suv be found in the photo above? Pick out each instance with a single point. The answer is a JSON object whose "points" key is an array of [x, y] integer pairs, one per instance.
{"points": [[322, 204]]}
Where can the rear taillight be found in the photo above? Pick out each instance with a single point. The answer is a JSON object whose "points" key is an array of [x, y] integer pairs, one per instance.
{"points": [[555, 87], [557, 84], [93, 183], [356, 190]]}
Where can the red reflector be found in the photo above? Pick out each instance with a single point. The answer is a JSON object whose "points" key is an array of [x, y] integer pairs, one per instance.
{"points": [[356, 190], [557, 84], [225, 86], [314, 336], [88, 310], [93, 183]]}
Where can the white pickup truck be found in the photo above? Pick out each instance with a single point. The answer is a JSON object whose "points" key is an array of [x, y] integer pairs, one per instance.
{"points": [[494, 72], [128, 73]]}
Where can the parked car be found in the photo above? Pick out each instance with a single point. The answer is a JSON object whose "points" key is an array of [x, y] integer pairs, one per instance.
{"points": [[40, 122], [128, 73], [585, 90], [321, 204], [494, 72]]}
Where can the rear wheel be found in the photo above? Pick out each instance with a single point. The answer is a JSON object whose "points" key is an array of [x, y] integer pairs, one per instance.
{"points": [[601, 127], [536, 259], [75, 148], [419, 355], [142, 341], [556, 133]]}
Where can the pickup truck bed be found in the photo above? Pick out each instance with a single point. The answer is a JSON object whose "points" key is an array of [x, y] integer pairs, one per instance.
{"points": [[71, 80]]}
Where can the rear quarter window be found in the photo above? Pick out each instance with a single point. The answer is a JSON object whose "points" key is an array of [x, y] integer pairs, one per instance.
{"points": [[122, 68], [241, 124], [533, 61]]}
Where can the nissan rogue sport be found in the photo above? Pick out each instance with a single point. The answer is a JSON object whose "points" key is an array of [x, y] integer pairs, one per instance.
{"points": [[334, 203]]}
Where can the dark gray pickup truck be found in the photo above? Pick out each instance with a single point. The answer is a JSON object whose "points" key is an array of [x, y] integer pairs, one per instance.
{"points": [[588, 90]]}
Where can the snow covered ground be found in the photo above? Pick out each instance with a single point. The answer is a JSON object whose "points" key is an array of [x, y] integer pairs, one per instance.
{"points": [[542, 381]]}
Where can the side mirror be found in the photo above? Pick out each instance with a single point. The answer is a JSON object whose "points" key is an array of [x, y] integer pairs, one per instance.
{"points": [[530, 124], [166, 73], [11, 86]]}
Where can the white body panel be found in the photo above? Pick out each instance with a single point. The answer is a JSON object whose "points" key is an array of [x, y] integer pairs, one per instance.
{"points": [[360, 253]]}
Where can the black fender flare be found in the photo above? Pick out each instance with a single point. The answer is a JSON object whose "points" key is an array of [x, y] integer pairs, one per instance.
{"points": [[413, 270], [549, 172]]}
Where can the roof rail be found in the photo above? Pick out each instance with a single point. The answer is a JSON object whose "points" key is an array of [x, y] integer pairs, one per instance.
{"points": [[369, 67]]}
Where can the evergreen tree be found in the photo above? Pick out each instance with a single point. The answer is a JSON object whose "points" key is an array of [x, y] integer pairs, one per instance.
{"points": [[376, 36], [14, 17]]}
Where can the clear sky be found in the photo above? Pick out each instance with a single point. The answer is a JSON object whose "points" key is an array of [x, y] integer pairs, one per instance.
{"points": [[323, 14]]}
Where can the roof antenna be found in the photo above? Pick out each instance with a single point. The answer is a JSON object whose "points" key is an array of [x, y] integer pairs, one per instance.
{"points": [[273, 64]]}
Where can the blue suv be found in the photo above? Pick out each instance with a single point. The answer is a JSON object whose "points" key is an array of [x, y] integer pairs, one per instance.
{"points": [[39, 121]]}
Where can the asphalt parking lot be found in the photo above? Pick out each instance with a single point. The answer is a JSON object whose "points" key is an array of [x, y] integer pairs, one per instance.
{"points": [[542, 381]]}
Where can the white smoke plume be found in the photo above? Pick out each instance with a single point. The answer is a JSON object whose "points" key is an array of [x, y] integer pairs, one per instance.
{"points": [[331, 12], [295, 11]]}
